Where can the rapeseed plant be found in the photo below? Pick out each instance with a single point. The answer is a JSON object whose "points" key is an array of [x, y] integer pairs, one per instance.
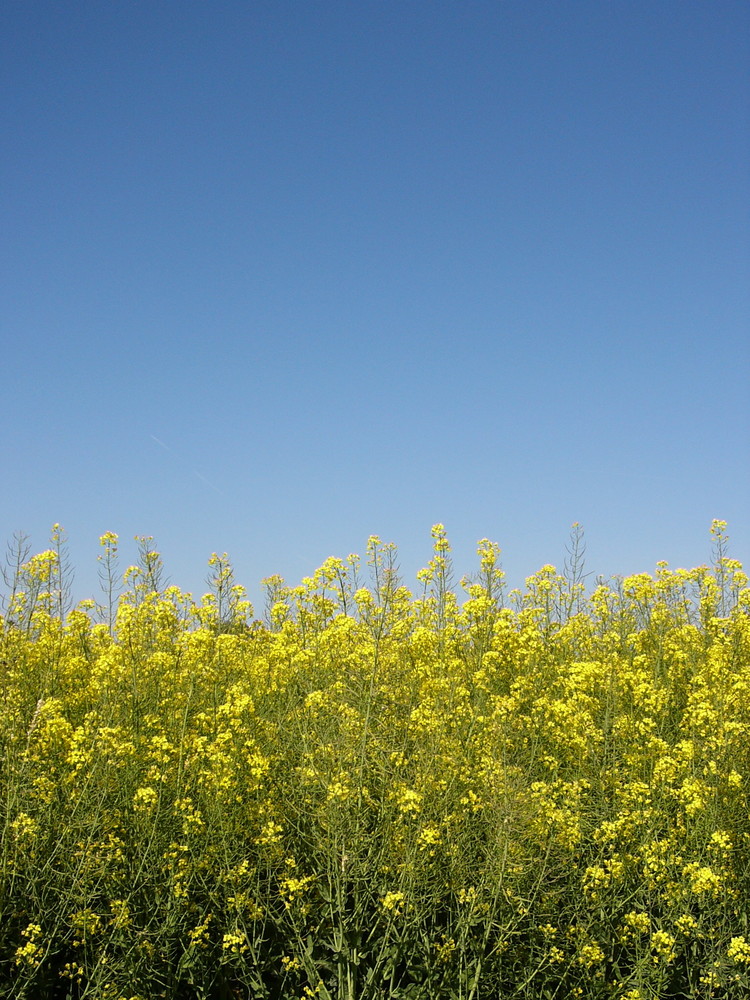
{"points": [[373, 794]]}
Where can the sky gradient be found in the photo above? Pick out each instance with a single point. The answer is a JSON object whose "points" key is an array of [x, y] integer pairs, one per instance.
{"points": [[277, 276]]}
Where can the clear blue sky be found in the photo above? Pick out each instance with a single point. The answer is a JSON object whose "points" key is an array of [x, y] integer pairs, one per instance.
{"points": [[276, 276]]}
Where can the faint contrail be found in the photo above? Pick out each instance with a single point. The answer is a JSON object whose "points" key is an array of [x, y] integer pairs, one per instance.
{"points": [[188, 466]]}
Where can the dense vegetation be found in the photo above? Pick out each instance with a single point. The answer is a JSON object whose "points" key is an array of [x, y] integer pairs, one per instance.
{"points": [[374, 793]]}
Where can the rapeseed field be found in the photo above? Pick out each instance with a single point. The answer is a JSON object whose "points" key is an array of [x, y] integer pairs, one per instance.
{"points": [[372, 792]]}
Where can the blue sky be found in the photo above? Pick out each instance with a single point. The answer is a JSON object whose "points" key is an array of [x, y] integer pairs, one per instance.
{"points": [[276, 276]]}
